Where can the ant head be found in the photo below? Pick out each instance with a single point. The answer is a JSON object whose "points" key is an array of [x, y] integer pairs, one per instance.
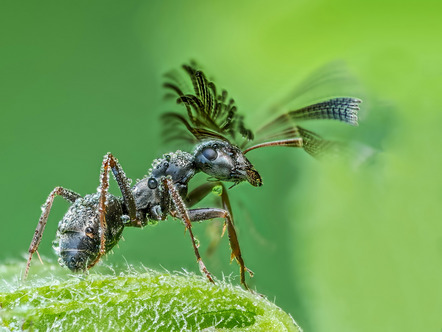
{"points": [[225, 162]]}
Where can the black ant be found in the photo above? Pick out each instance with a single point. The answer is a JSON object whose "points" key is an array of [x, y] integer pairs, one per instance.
{"points": [[94, 223]]}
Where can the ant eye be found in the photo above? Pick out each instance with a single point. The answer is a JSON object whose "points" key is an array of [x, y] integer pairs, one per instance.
{"points": [[210, 154]]}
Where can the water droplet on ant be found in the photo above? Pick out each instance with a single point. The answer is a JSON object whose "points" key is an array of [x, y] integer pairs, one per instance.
{"points": [[152, 183]]}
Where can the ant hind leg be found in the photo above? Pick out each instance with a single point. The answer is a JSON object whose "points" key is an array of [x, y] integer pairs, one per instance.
{"points": [[68, 195], [110, 162], [103, 189]]}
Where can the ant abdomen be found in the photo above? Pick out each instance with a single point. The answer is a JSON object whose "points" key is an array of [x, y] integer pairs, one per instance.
{"points": [[78, 236]]}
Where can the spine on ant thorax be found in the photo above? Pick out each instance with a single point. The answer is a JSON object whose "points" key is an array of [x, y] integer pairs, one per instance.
{"points": [[150, 196]]}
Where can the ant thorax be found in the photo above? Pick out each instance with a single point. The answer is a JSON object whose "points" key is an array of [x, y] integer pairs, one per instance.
{"points": [[151, 199]]}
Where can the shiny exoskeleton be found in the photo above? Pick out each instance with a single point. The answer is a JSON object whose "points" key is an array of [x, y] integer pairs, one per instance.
{"points": [[78, 234], [94, 223]]}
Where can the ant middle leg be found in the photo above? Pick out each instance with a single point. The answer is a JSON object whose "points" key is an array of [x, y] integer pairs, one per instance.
{"points": [[68, 195]]}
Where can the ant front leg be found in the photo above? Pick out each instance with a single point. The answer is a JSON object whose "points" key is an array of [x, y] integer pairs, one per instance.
{"points": [[183, 214], [197, 194], [209, 213], [46, 209]]}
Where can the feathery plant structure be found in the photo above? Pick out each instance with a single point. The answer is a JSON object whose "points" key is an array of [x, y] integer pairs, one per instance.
{"points": [[132, 300]]}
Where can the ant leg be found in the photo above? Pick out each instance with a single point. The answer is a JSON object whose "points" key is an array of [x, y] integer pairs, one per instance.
{"points": [[197, 195], [124, 185], [203, 190], [46, 209], [182, 213], [103, 189], [111, 162], [211, 213]]}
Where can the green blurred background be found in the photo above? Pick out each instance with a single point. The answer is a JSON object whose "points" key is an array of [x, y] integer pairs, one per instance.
{"points": [[339, 249]]}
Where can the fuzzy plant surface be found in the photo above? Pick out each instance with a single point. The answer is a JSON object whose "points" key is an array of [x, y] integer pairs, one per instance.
{"points": [[134, 300]]}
